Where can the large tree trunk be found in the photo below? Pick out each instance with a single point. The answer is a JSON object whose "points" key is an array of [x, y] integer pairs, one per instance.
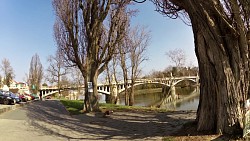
{"points": [[93, 96], [222, 49], [223, 70]]}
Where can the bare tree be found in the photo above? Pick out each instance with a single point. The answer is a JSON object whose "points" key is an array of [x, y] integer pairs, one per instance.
{"points": [[177, 56], [131, 55], [77, 79], [56, 70], [111, 77], [35, 74], [123, 57], [87, 32], [138, 42], [8, 72], [221, 31]]}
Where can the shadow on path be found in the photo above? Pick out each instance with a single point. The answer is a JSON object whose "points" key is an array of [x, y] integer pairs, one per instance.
{"points": [[52, 118]]}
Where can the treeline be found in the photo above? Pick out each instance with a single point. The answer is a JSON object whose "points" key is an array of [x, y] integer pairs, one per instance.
{"points": [[174, 71]]}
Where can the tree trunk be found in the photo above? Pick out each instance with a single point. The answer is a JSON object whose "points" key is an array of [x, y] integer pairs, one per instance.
{"points": [[126, 88], [131, 95], [223, 71], [94, 95], [86, 107]]}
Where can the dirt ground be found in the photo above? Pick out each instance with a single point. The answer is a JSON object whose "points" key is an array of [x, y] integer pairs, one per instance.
{"points": [[172, 126], [189, 132]]}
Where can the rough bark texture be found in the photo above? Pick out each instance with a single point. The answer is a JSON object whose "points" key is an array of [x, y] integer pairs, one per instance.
{"points": [[223, 74], [222, 51]]}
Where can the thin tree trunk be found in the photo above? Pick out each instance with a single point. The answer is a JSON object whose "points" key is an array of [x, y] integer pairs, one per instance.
{"points": [[126, 88], [131, 95]]}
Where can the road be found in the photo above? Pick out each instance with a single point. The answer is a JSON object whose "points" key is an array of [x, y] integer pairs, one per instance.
{"points": [[49, 121]]}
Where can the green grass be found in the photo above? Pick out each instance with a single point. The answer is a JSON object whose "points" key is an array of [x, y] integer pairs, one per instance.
{"points": [[76, 106], [73, 106], [168, 138]]}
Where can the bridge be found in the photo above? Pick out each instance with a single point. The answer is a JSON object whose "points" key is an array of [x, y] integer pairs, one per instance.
{"points": [[120, 87]]}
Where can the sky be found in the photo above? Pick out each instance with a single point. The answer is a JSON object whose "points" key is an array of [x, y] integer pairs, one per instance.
{"points": [[26, 28]]}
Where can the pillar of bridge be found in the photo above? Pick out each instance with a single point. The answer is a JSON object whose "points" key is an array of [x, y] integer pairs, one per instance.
{"points": [[114, 90], [173, 93], [197, 79]]}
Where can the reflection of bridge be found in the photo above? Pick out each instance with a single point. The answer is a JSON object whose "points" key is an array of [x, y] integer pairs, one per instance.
{"points": [[120, 87]]}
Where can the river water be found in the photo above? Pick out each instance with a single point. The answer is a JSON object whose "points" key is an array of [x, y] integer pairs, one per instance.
{"points": [[187, 101]]}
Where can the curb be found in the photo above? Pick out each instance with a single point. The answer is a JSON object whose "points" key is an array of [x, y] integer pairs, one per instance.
{"points": [[6, 108]]}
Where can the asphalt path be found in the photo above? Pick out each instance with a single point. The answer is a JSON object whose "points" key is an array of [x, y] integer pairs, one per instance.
{"points": [[50, 121], [22, 124]]}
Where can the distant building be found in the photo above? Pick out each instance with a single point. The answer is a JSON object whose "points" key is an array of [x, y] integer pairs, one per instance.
{"points": [[18, 87]]}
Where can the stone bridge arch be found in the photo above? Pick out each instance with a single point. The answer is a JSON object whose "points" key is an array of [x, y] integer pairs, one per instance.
{"points": [[185, 79]]}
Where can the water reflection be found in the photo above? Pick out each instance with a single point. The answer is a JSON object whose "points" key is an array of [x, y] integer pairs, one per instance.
{"points": [[186, 104], [188, 101]]}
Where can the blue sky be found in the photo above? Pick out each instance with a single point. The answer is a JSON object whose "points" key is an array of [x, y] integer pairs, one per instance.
{"points": [[26, 28]]}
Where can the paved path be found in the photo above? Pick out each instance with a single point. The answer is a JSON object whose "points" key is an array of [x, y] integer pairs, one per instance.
{"points": [[48, 120]]}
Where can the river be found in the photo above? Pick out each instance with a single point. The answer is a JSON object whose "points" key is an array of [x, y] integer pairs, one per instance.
{"points": [[188, 101]]}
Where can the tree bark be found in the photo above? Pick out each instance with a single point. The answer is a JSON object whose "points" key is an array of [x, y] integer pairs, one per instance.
{"points": [[223, 70], [131, 95], [91, 98], [220, 35]]}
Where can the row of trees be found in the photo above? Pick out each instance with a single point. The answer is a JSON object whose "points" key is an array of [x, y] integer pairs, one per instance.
{"points": [[92, 33], [173, 71], [56, 72], [33, 79], [125, 65]]}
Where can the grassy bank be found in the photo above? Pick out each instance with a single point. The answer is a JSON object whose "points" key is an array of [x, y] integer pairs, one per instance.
{"points": [[76, 107], [73, 106]]}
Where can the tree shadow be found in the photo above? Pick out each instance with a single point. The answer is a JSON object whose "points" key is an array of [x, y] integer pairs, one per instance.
{"points": [[53, 119], [189, 129]]}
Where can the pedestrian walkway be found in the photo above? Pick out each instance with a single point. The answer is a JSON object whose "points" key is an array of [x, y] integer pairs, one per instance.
{"points": [[5, 108], [49, 120]]}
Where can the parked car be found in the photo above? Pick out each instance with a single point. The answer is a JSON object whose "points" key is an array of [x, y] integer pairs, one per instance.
{"points": [[23, 98], [6, 99], [18, 100], [35, 96], [32, 97], [12, 95], [28, 97]]}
